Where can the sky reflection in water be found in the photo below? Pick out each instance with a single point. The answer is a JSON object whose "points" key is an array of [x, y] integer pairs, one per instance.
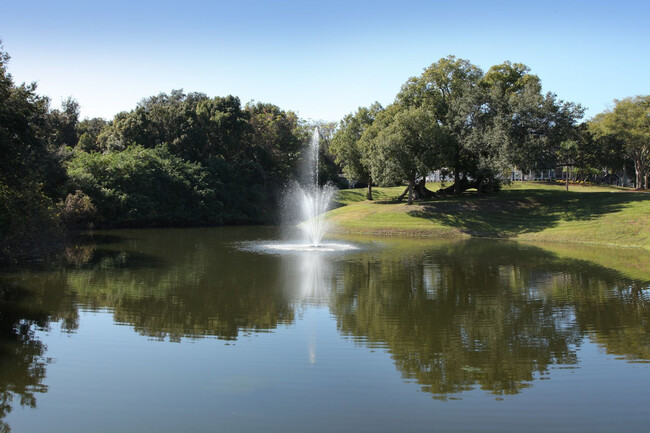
{"points": [[294, 341]]}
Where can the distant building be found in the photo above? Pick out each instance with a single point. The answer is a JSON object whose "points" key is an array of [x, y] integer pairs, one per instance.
{"points": [[437, 176], [539, 175]]}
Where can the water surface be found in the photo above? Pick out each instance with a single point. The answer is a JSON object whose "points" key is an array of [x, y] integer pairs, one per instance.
{"points": [[203, 330]]}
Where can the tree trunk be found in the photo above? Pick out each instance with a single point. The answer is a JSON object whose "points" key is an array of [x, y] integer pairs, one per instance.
{"points": [[421, 190], [369, 192], [566, 170], [401, 197], [462, 185], [483, 185], [638, 170], [411, 187], [457, 190]]}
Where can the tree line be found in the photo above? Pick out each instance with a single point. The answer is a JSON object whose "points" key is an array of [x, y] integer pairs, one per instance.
{"points": [[182, 159], [477, 126], [177, 159]]}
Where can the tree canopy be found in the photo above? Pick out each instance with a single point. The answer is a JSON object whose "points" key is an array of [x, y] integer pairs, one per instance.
{"points": [[472, 124], [348, 148], [30, 166], [408, 147], [629, 123], [186, 158]]}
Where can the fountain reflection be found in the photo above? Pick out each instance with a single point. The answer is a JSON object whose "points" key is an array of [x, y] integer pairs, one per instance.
{"points": [[308, 278]]}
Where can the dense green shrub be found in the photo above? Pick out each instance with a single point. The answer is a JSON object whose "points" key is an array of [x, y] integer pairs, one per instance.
{"points": [[78, 210], [141, 186]]}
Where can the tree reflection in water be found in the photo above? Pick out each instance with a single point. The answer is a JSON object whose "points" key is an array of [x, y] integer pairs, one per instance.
{"points": [[493, 315], [22, 356], [454, 315]]}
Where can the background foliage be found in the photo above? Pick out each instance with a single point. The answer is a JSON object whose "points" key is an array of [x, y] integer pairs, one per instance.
{"points": [[182, 159]]}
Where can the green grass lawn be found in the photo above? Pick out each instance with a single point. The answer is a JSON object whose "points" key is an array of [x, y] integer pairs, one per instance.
{"points": [[524, 211]]}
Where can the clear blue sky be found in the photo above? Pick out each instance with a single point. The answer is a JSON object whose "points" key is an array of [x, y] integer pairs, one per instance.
{"points": [[320, 59]]}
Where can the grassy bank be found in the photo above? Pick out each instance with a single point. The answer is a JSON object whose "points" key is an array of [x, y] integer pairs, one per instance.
{"points": [[523, 211]]}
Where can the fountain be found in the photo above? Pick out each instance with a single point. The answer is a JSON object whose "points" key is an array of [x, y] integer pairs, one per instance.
{"points": [[314, 201], [307, 261]]}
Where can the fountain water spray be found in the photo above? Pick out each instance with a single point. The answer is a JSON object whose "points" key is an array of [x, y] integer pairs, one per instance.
{"points": [[315, 200], [310, 201]]}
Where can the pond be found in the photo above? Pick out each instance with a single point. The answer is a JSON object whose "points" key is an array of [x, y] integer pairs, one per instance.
{"points": [[204, 330]]}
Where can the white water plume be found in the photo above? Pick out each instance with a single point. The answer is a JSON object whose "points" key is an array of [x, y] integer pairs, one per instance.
{"points": [[314, 199], [315, 203]]}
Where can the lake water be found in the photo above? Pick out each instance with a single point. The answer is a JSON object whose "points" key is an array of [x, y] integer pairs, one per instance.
{"points": [[205, 330]]}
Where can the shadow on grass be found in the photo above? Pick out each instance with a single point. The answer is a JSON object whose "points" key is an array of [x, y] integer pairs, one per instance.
{"points": [[510, 213], [347, 196]]}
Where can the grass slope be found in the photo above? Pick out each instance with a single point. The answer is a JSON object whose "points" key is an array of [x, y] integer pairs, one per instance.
{"points": [[523, 211]]}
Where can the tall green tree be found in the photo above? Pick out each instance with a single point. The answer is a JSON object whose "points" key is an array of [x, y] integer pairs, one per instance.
{"points": [[63, 124], [524, 127], [27, 194], [444, 89], [88, 131], [275, 141], [60, 136], [494, 120], [539, 126], [605, 152], [629, 123], [347, 146], [161, 119], [589, 157], [409, 147], [226, 123], [504, 88], [22, 128], [194, 126]]}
